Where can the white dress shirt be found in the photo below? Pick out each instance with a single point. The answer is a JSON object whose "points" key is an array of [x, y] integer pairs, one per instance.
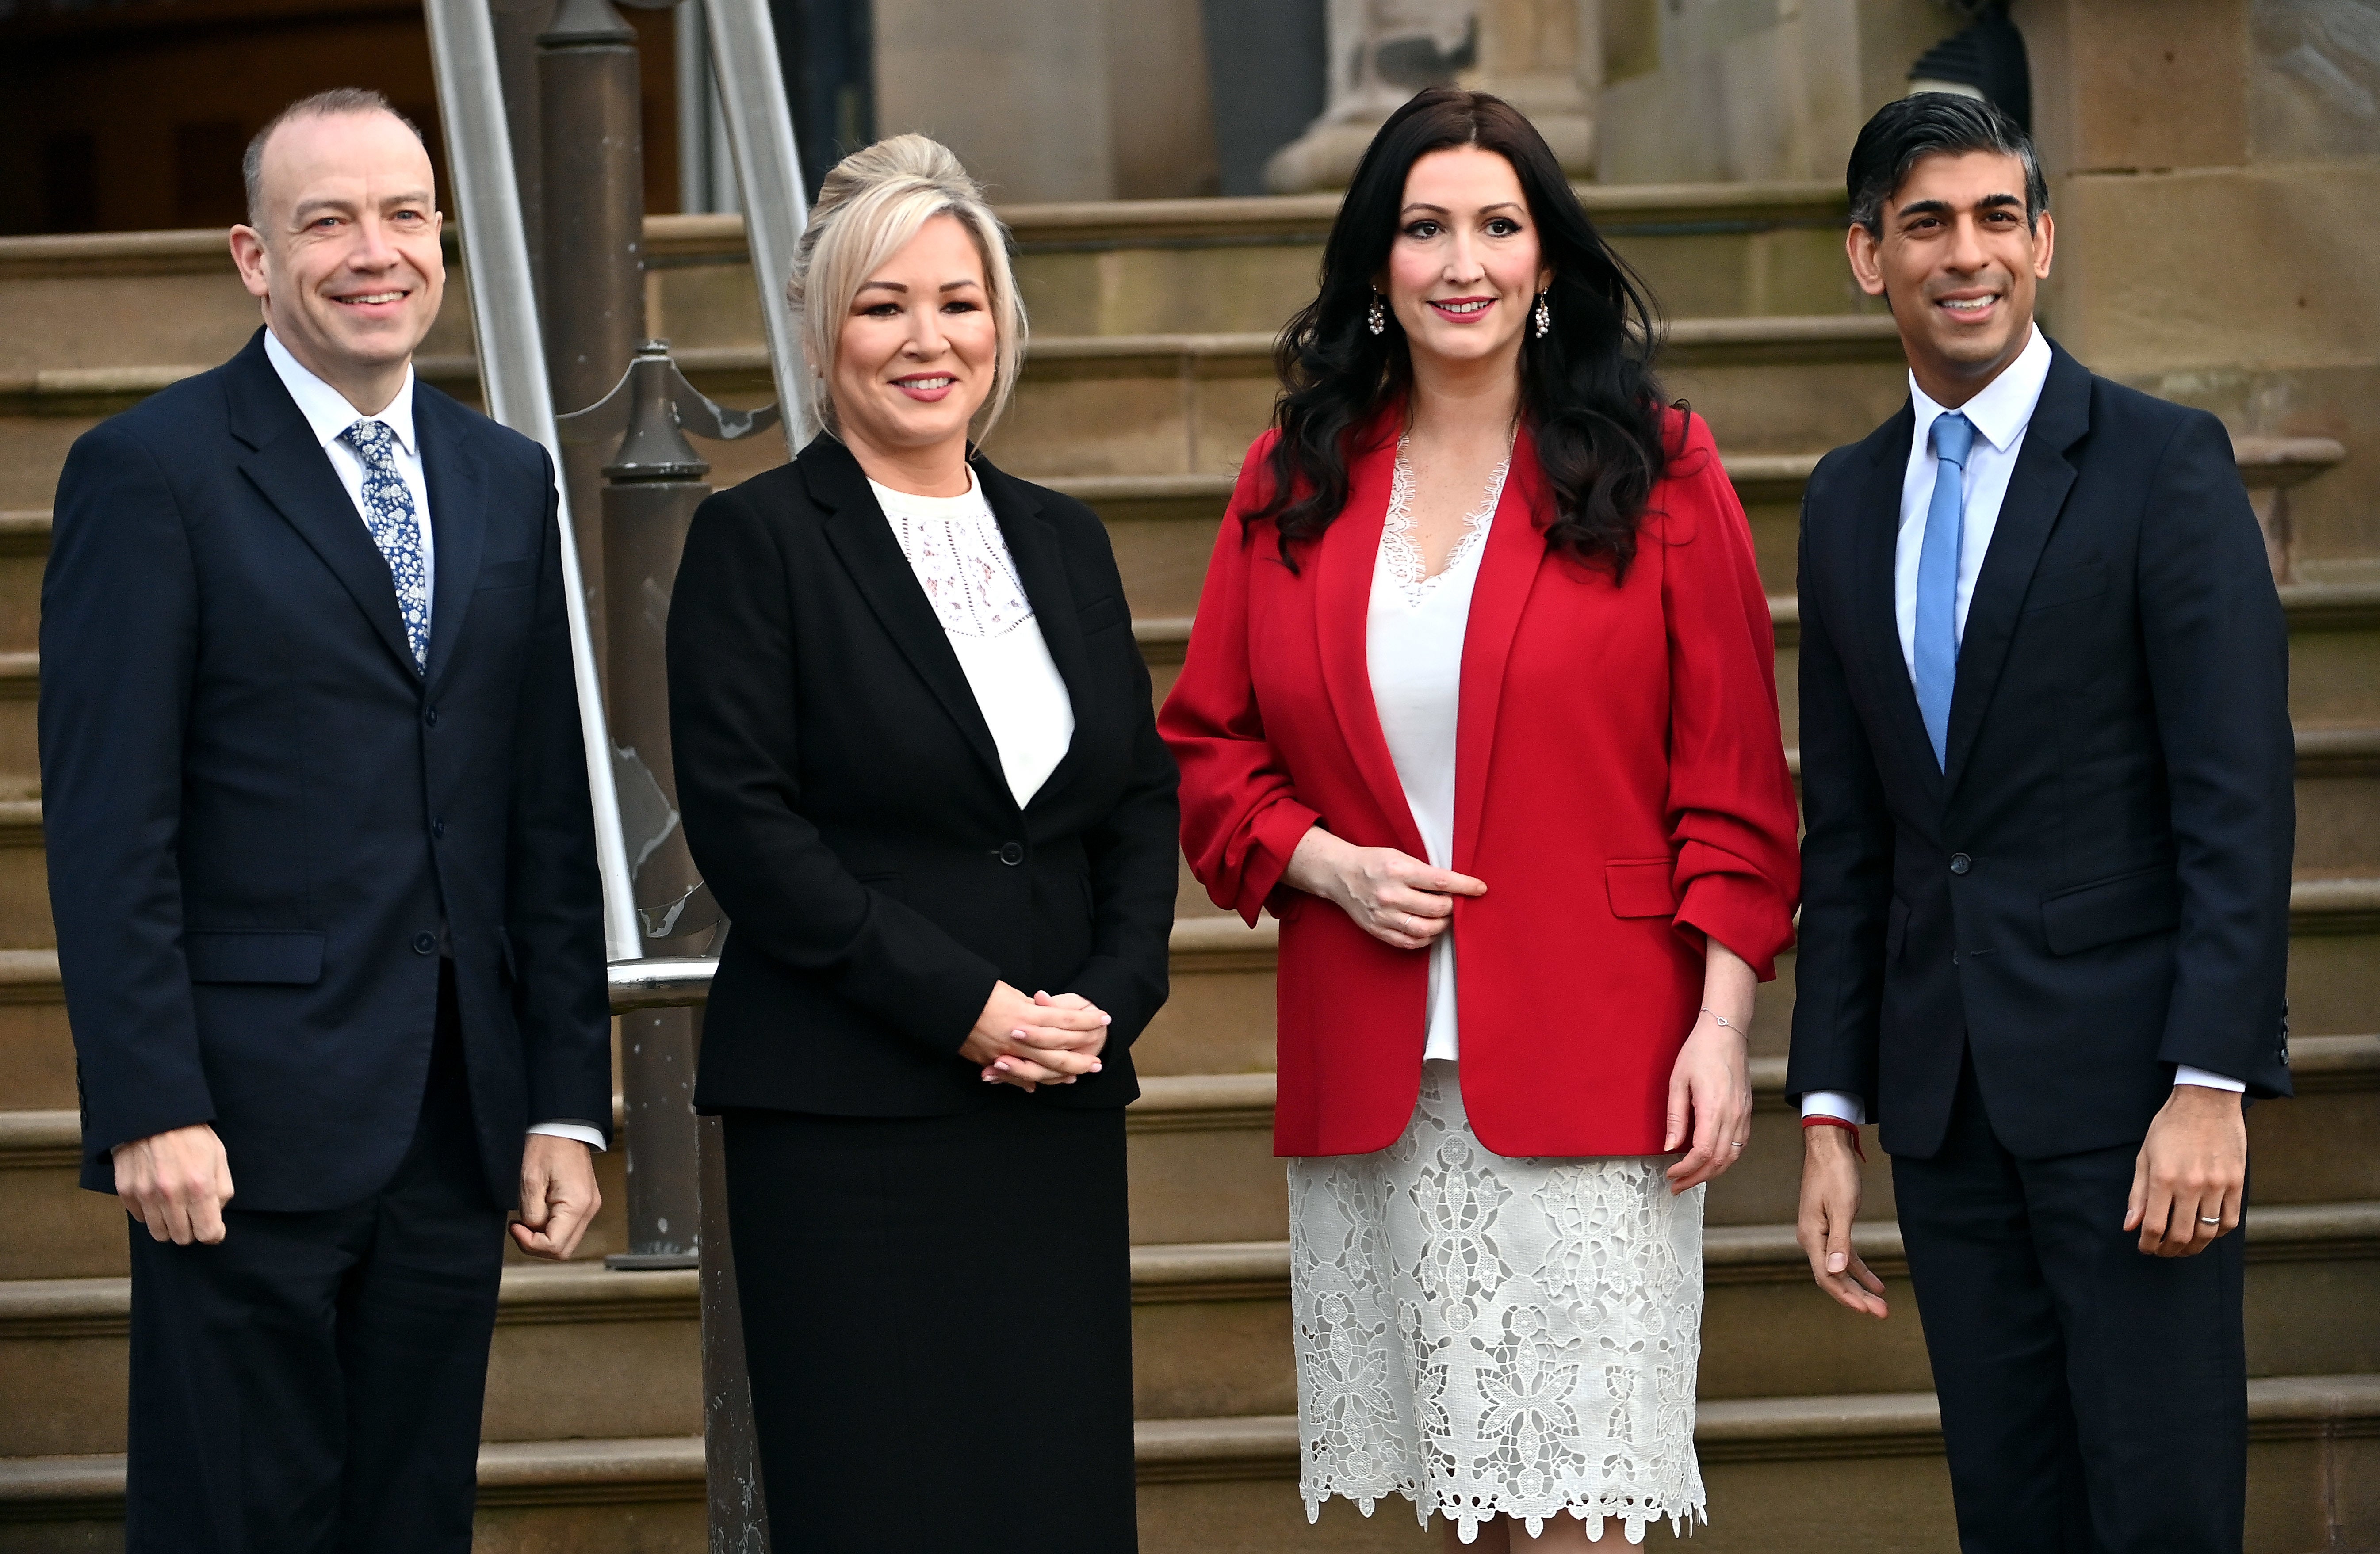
{"points": [[328, 413], [1413, 643], [954, 546], [2000, 413]]}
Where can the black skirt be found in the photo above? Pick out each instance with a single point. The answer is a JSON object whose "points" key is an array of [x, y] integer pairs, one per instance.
{"points": [[938, 1322]]}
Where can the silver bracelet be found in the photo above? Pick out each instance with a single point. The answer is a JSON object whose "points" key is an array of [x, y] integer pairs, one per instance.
{"points": [[1724, 1023]]}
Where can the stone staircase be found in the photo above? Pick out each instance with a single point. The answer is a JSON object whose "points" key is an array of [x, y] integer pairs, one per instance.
{"points": [[1149, 374]]}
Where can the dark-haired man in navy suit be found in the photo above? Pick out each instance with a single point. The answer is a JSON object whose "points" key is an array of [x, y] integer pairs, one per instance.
{"points": [[321, 862], [2047, 767]]}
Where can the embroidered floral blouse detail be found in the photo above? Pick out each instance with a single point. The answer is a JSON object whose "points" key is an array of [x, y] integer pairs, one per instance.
{"points": [[962, 563]]}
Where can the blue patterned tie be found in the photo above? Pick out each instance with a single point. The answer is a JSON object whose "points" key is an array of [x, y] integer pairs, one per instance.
{"points": [[1937, 652], [396, 527]]}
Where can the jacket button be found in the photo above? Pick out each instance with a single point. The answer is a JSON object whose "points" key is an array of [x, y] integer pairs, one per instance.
{"points": [[1960, 863], [431, 717], [1012, 852], [425, 943], [438, 829]]}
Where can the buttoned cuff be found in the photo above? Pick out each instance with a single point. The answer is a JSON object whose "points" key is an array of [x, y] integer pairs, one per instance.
{"points": [[591, 1137], [2185, 1074], [1834, 1103]]}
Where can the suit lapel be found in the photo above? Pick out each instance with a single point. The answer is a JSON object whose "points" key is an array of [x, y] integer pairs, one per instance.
{"points": [[294, 475], [2036, 494], [458, 518], [1877, 622], [863, 541], [1033, 547], [1343, 564], [1516, 548]]}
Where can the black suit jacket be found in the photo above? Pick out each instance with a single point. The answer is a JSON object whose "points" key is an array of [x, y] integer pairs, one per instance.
{"points": [[266, 828], [844, 800], [2097, 889]]}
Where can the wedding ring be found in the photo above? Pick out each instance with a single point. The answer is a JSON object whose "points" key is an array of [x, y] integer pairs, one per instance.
{"points": [[1735, 1143], [2204, 1221]]}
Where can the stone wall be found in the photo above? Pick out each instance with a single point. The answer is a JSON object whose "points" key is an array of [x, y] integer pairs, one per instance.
{"points": [[2215, 169]]}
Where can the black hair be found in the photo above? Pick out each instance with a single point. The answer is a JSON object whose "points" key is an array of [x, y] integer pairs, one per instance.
{"points": [[1589, 393], [1928, 124]]}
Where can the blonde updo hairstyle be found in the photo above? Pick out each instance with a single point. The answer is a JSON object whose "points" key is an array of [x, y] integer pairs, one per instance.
{"points": [[873, 202]]}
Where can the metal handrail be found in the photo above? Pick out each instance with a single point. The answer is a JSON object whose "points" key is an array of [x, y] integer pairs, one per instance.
{"points": [[512, 377], [660, 983], [768, 178]]}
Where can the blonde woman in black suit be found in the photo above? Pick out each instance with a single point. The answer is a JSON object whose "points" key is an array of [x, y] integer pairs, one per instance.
{"points": [[919, 768]]}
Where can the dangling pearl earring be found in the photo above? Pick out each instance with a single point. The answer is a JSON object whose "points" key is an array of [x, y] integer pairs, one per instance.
{"points": [[1543, 316], [1378, 316]]}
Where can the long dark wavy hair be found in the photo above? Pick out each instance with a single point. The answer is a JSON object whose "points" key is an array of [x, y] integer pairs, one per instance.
{"points": [[1589, 393]]}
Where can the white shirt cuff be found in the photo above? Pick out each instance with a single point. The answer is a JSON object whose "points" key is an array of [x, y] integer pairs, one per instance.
{"points": [[2185, 1074], [1834, 1103], [592, 1137]]}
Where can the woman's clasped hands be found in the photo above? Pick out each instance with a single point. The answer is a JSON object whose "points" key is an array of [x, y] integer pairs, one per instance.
{"points": [[1047, 1038], [1393, 896]]}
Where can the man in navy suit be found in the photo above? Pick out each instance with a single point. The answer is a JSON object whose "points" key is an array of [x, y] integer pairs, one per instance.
{"points": [[2047, 767], [321, 862]]}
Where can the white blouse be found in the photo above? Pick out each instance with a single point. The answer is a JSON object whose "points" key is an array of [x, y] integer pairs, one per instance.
{"points": [[954, 546], [1412, 639]]}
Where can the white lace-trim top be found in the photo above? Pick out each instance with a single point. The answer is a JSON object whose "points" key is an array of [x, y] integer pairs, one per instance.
{"points": [[954, 546], [1413, 641]]}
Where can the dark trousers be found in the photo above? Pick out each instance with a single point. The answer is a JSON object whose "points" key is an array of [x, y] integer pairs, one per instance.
{"points": [[2094, 1401], [312, 1383]]}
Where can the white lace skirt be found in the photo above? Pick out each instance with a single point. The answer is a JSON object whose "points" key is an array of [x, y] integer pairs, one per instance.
{"points": [[1488, 1336]]}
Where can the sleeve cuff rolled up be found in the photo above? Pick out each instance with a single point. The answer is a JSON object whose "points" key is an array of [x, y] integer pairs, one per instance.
{"points": [[1741, 912]]}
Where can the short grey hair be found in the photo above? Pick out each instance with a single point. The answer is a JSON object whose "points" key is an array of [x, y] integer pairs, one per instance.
{"points": [[868, 208], [338, 100]]}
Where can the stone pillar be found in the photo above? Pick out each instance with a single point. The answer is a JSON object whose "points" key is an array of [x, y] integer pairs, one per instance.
{"points": [[1543, 57], [1380, 52]]}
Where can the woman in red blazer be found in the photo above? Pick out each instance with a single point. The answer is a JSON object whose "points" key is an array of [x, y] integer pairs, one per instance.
{"points": [[1483, 673]]}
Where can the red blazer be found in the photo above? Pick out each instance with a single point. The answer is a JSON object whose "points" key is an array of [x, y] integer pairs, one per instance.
{"points": [[1620, 785]]}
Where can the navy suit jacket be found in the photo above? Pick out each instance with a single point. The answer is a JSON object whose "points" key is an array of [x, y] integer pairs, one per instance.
{"points": [[266, 828], [2097, 888]]}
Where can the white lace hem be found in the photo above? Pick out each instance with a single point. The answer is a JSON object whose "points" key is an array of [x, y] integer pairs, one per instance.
{"points": [[1489, 1335], [1468, 1511]]}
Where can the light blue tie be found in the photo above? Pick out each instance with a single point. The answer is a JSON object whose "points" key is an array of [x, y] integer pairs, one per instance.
{"points": [[396, 527], [1936, 669]]}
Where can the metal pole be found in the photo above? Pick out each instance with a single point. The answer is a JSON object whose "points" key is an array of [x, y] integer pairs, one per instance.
{"points": [[768, 177], [590, 115], [512, 375], [650, 489]]}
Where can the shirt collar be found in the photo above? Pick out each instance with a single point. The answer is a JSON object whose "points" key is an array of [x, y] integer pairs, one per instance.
{"points": [[326, 409], [2004, 407]]}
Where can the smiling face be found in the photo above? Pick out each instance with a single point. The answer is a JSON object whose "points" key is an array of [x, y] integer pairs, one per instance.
{"points": [[346, 260], [1959, 268], [1465, 264], [918, 349]]}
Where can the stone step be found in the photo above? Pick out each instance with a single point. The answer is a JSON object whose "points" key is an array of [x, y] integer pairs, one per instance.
{"points": [[1220, 1018], [1785, 1475], [1114, 267], [581, 1351], [1203, 1170], [1161, 403], [1163, 526]]}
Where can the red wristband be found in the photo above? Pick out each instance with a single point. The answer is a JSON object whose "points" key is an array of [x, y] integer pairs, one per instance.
{"points": [[1822, 1120]]}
